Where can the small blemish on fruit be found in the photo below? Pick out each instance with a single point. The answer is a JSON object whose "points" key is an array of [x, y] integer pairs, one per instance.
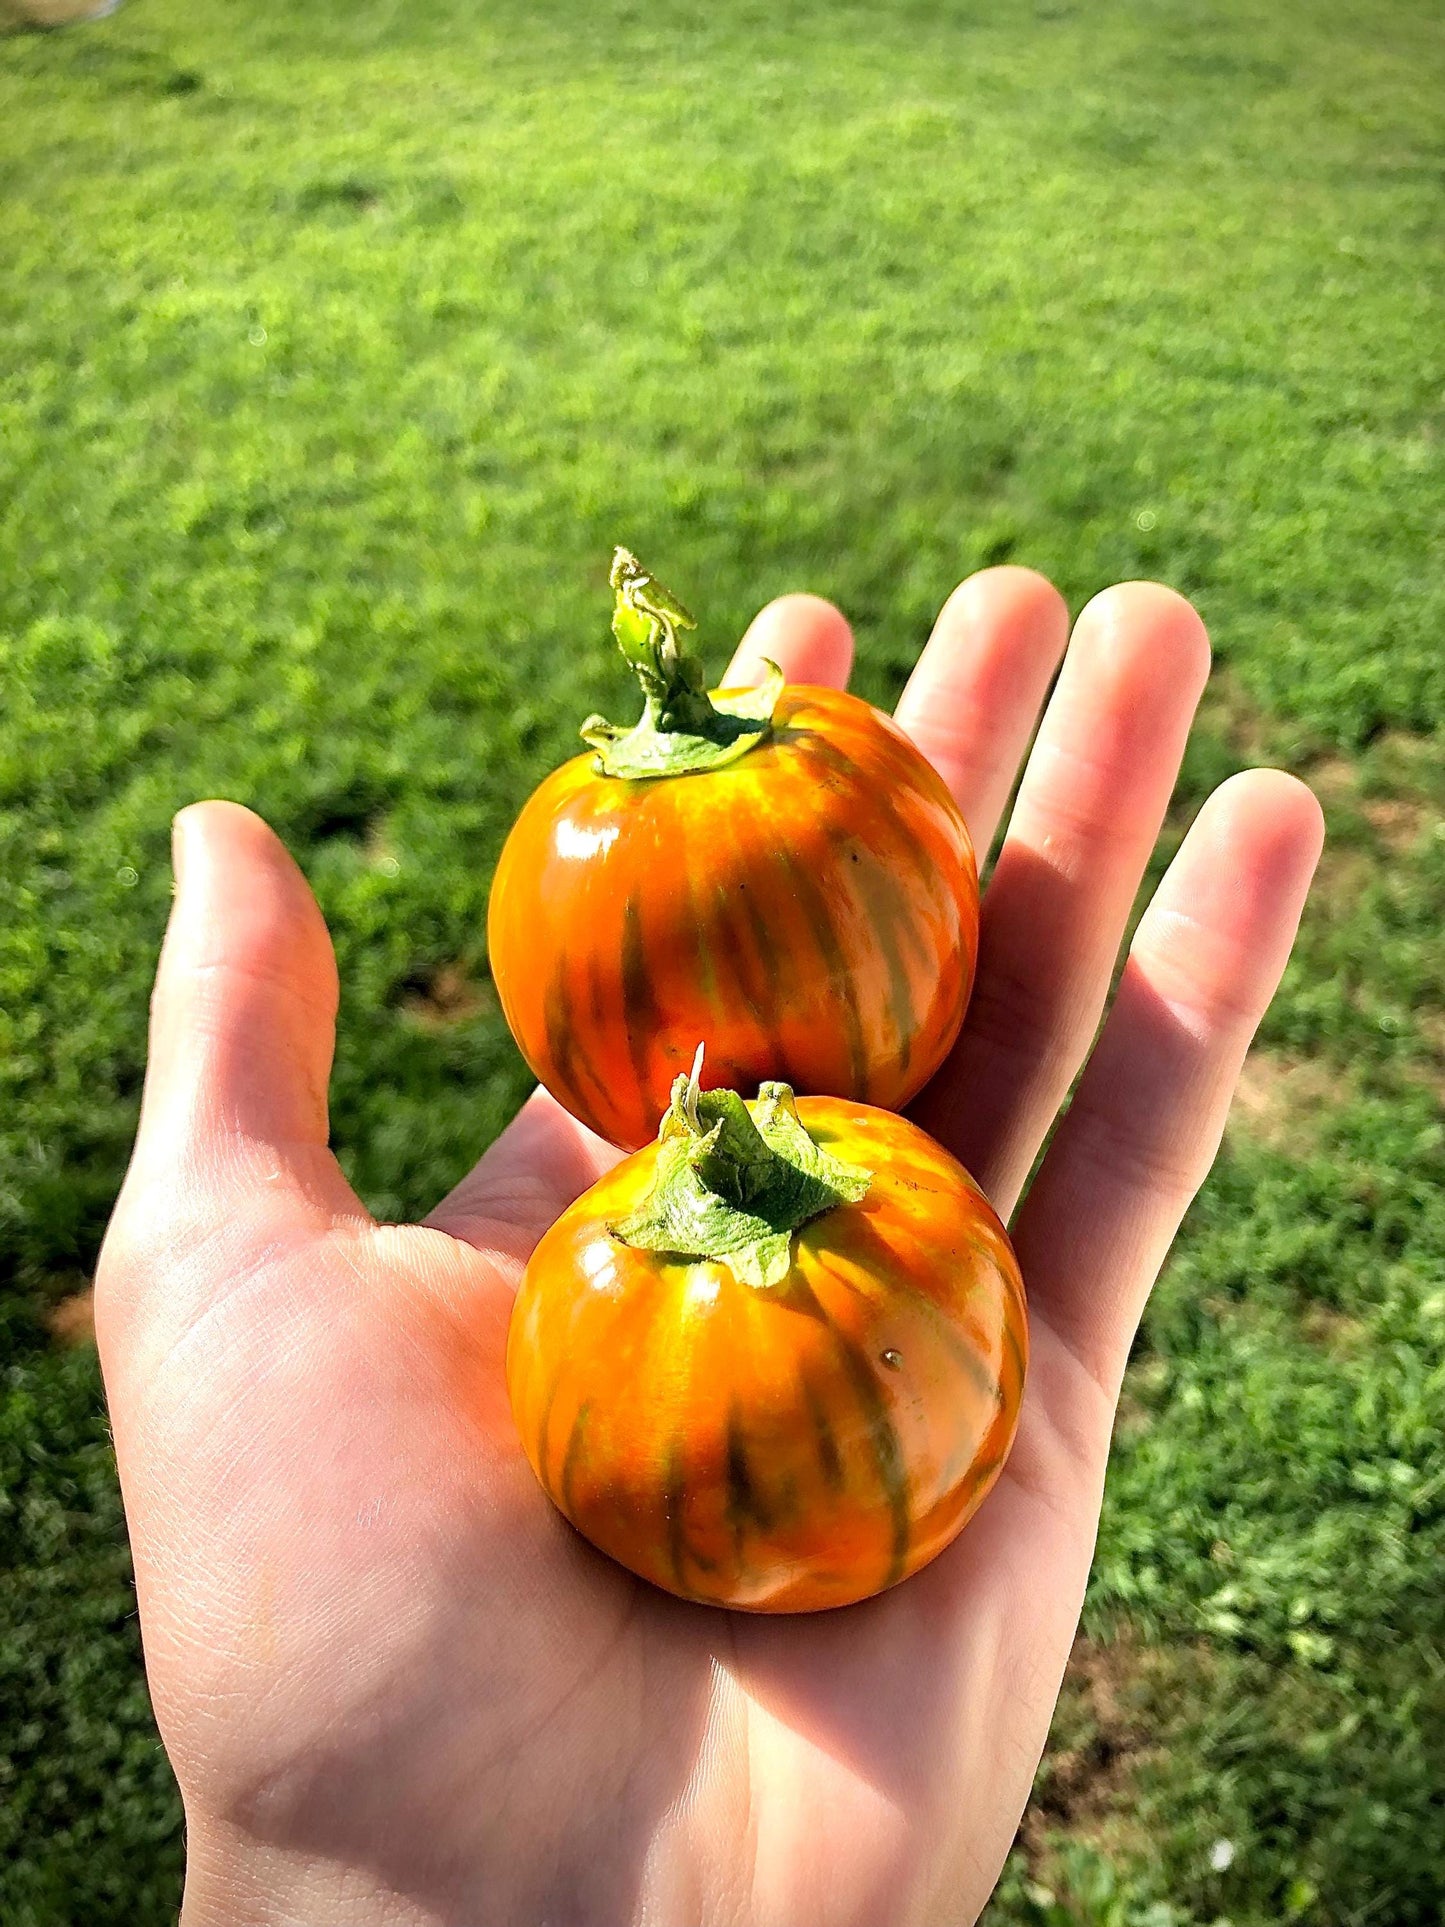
{"points": [[893, 1360]]}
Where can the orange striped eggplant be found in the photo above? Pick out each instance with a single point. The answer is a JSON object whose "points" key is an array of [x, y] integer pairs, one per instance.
{"points": [[774, 1360], [778, 870]]}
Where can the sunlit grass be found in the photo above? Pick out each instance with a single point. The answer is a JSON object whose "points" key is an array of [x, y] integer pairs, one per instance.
{"points": [[342, 343]]}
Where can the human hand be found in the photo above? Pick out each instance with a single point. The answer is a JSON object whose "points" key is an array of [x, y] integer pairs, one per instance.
{"points": [[394, 1685]]}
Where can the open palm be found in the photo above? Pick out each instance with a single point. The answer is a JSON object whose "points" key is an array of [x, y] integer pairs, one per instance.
{"points": [[394, 1685]]}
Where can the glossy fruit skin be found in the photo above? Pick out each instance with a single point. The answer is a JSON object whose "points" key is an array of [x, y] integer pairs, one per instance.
{"points": [[811, 910], [779, 1449]]}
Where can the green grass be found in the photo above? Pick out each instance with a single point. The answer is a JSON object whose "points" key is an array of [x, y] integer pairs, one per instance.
{"points": [[340, 345]]}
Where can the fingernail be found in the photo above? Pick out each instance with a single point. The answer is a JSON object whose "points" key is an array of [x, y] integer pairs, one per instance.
{"points": [[178, 850]]}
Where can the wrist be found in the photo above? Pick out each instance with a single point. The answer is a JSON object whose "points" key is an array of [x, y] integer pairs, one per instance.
{"points": [[231, 1881]]}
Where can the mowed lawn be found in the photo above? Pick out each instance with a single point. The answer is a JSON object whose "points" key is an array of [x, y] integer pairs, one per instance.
{"points": [[341, 343]]}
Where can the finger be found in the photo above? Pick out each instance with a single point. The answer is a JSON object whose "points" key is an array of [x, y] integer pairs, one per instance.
{"points": [[540, 1163], [243, 1018], [974, 697], [807, 637], [1145, 1124], [1089, 810], [231, 1161]]}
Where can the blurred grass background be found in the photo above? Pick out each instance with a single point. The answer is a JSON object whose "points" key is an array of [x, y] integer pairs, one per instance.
{"points": [[340, 345]]}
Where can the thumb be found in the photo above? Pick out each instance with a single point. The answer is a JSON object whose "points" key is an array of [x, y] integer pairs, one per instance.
{"points": [[232, 1147], [243, 1019]]}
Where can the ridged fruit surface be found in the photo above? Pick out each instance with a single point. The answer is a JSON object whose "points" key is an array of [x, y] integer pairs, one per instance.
{"points": [[789, 1447], [811, 909]]}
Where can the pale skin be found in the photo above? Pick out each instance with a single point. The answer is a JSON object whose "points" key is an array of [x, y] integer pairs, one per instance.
{"points": [[394, 1685]]}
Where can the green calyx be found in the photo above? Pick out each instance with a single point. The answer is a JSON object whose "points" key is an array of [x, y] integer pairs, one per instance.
{"points": [[735, 1181], [683, 728]]}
